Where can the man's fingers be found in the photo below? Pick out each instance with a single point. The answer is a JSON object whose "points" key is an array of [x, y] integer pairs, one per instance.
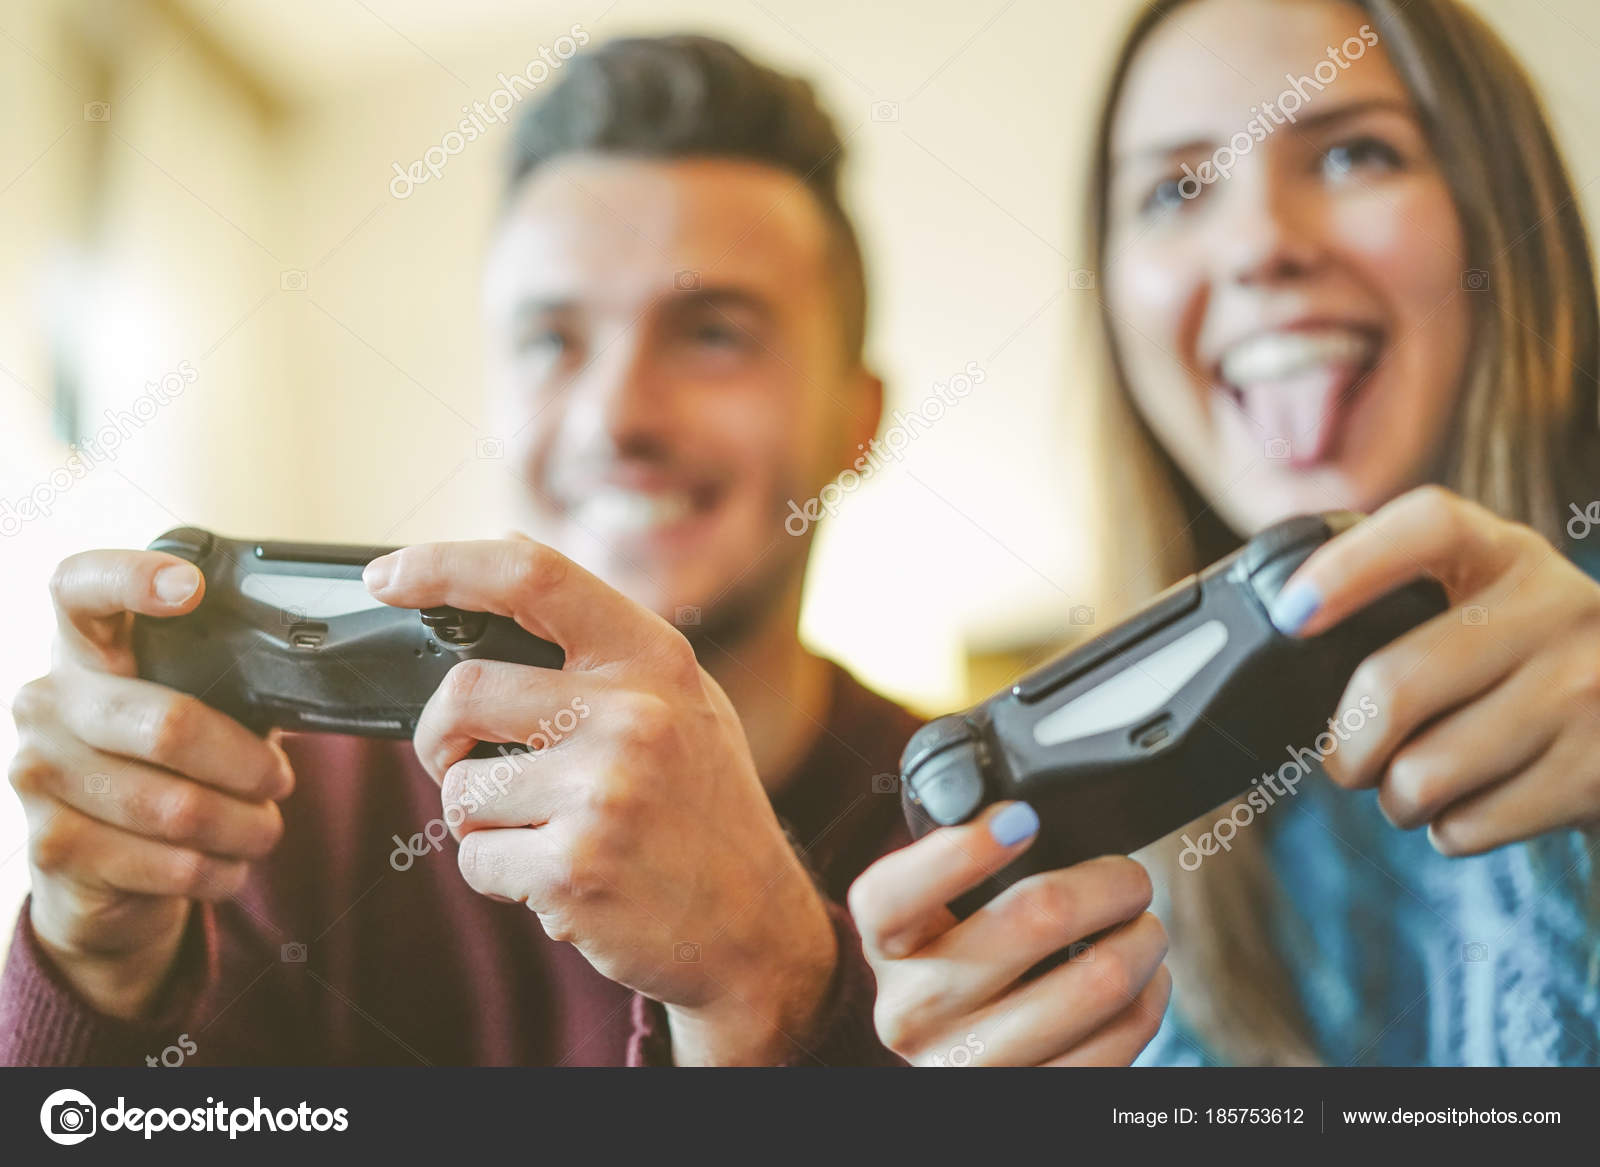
{"points": [[516, 790], [1122, 1038], [493, 701], [67, 843], [95, 591], [147, 801], [899, 902], [516, 864], [540, 589], [140, 719]]}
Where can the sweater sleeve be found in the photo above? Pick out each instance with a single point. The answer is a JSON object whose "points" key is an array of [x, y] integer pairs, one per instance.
{"points": [[844, 1034], [45, 1022]]}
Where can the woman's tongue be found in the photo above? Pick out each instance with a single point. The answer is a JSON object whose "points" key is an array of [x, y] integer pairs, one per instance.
{"points": [[1298, 414], [1295, 392]]}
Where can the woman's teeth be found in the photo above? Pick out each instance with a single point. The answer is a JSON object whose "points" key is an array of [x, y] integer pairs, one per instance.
{"points": [[1275, 356], [617, 510]]}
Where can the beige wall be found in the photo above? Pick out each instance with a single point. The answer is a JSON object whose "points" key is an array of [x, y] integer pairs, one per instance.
{"points": [[261, 142]]}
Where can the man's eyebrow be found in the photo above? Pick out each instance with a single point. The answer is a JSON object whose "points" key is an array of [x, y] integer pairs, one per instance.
{"points": [[728, 296], [1308, 117], [723, 296]]}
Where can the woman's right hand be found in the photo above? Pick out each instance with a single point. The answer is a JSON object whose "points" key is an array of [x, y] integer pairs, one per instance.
{"points": [[140, 800], [949, 990]]}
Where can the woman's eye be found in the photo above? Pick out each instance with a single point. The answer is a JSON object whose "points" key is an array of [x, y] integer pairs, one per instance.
{"points": [[547, 342], [1359, 154], [1167, 195]]}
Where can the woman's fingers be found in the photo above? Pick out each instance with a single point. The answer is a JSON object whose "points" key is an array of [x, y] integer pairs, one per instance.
{"points": [[1470, 750], [980, 957], [1122, 1038], [1538, 799], [1428, 531], [899, 902]]}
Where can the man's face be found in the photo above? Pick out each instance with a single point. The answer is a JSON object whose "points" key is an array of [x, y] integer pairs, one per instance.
{"points": [[667, 365]]}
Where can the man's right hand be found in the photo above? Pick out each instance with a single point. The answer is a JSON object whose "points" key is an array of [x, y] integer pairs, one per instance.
{"points": [[955, 992], [140, 800]]}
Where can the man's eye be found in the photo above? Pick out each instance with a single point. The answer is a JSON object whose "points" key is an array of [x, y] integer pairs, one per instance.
{"points": [[719, 334], [1359, 154]]}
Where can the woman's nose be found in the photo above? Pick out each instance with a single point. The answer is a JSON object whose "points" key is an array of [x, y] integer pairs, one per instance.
{"points": [[1266, 233]]}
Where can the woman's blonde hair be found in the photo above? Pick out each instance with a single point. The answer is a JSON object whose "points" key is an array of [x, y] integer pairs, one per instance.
{"points": [[1524, 441]]}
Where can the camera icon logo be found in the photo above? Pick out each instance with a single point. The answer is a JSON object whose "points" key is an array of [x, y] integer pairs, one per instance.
{"points": [[292, 280], [491, 448], [1475, 279], [292, 616], [1082, 952], [685, 952], [687, 280], [97, 784], [68, 1117], [1278, 449], [687, 616], [293, 952], [1475, 614], [97, 111], [1081, 279], [885, 111], [1081, 615], [886, 784], [1475, 951]]}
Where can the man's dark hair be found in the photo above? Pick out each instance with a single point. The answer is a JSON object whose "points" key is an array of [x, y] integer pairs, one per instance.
{"points": [[697, 97]]}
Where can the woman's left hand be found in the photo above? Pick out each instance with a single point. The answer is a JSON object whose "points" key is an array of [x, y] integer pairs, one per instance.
{"points": [[1488, 716]]}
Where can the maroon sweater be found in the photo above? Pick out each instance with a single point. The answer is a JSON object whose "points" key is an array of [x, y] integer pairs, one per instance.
{"points": [[330, 956]]}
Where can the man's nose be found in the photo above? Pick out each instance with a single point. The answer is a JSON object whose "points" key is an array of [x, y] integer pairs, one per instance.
{"points": [[623, 393]]}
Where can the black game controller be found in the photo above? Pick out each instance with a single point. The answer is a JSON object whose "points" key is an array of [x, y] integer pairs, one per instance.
{"points": [[1168, 715], [288, 637]]}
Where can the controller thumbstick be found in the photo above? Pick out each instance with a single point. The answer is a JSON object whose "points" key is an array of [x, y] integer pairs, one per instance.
{"points": [[942, 777], [453, 626]]}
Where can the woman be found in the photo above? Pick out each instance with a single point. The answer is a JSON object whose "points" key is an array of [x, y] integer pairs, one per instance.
{"points": [[1374, 294]]}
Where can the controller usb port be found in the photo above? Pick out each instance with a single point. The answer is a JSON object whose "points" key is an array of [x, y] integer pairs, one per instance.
{"points": [[1152, 734], [308, 638]]}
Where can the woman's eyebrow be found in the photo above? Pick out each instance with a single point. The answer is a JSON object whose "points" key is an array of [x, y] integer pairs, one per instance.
{"points": [[1311, 116]]}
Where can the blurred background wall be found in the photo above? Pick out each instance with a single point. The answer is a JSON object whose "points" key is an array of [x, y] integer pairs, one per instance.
{"points": [[201, 194]]}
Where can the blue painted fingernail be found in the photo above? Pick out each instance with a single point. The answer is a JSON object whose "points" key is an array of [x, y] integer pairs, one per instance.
{"points": [[1296, 604], [1014, 824]]}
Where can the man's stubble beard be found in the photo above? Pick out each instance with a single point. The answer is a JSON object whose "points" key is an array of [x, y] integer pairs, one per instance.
{"points": [[745, 610]]}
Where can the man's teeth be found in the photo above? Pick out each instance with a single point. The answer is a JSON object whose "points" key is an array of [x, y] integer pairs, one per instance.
{"points": [[616, 509], [1273, 356]]}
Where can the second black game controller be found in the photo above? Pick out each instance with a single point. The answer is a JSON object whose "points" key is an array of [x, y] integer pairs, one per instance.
{"points": [[1175, 711], [288, 637]]}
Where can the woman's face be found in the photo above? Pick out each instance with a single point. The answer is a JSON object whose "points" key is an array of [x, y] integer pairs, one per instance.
{"points": [[1285, 271]]}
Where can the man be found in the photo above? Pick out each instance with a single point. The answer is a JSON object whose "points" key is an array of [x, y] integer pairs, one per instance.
{"points": [[677, 310]]}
